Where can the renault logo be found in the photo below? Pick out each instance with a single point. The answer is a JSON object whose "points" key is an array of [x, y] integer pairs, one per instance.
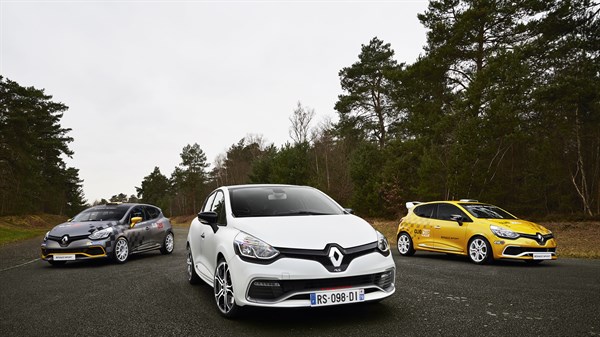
{"points": [[65, 239], [335, 256]]}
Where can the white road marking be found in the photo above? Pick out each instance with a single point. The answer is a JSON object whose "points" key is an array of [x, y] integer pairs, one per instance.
{"points": [[19, 265]]}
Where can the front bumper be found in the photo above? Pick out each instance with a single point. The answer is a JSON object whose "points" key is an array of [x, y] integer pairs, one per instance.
{"points": [[83, 249], [523, 249], [288, 282]]}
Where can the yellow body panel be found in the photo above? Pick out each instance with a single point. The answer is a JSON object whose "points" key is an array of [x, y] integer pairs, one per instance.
{"points": [[451, 236]]}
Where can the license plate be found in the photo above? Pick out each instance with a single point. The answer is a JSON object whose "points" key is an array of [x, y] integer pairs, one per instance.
{"points": [[332, 297], [64, 257], [542, 256]]}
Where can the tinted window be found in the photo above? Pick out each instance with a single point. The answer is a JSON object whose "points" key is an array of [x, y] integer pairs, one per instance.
{"points": [[446, 211], [152, 212], [487, 211], [280, 201], [138, 211], [425, 211], [218, 206], [101, 214]]}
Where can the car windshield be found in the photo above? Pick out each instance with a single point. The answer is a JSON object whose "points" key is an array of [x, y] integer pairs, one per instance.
{"points": [[101, 214], [280, 201], [487, 211]]}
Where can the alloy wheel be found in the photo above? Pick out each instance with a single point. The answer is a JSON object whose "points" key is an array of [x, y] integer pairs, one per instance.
{"points": [[224, 289]]}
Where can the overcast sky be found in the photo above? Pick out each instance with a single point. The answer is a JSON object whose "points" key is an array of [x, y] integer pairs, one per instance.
{"points": [[144, 78]]}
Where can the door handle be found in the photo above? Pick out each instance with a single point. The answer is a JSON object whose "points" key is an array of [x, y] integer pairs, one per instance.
{"points": [[202, 236], [147, 228]]}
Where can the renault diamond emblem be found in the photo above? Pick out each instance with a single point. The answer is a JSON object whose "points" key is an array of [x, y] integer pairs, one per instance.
{"points": [[335, 256], [65, 239], [540, 237]]}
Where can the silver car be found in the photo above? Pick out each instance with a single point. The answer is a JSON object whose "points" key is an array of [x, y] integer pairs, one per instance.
{"points": [[112, 230]]}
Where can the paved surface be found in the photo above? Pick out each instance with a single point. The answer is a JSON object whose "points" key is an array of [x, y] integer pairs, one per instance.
{"points": [[437, 295]]}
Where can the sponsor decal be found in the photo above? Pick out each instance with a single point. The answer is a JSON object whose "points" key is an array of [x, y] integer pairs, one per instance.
{"points": [[159, 225]]}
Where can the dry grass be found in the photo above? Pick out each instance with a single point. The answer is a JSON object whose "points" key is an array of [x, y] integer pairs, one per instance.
{"points": [[16, 228], [575, 239]]}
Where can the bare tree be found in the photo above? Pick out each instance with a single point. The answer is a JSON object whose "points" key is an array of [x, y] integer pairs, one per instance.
{"points": [[301, 118]]}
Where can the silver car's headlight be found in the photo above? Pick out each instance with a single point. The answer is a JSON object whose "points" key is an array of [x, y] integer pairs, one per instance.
{"points": [[503, 232], [249, 246], [382, 243], [101, 234], [46, 236]]}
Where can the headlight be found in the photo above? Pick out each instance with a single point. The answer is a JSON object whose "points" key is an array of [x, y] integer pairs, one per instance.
{"points": [[503, 232], [46, 236], [101, 234], [382, 243], [249, 246]]}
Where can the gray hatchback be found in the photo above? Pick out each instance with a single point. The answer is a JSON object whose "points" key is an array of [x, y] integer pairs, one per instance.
{"points": [[113, 230]]}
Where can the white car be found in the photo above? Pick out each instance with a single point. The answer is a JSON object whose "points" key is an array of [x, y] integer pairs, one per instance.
{"points": [[285, 246]]}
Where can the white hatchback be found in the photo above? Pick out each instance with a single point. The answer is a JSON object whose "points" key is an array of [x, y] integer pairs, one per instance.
{"points": [[285, 246]]}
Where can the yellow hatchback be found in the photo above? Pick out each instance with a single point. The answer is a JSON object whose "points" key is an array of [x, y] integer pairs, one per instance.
{"points": [[481, 231]]}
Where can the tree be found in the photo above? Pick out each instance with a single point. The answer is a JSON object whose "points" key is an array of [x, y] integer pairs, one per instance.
{"points": [[33, 175], [300, 119], [366, 105], [193, 171], [155, 189]]}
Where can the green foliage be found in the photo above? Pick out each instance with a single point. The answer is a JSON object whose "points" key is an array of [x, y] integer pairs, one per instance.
{"points": [[154, 190], [33, 175]]}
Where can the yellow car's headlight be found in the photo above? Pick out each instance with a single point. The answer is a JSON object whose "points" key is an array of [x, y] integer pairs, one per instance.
{"points": [[503, 232]]}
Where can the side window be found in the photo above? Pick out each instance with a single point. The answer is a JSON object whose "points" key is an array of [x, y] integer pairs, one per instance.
{"points": [[138, 211], [152, 212], [425, 211], [208, 203], [218, 207], [446, 211]]}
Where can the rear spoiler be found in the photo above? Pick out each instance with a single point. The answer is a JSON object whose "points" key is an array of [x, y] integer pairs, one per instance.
{"points": [[412, 204]]}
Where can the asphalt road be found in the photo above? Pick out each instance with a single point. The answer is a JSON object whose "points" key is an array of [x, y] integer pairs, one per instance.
{"points": [[436, 295]]}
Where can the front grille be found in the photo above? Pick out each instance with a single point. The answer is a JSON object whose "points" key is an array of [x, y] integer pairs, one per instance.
{"points": [[87, 252], [541, 239], [514, 251], [273, 290]]}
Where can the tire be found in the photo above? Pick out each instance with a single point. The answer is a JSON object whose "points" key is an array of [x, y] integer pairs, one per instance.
{"points": [[121, 250], [57, 263], [223, 289], [192, 276], [480, 251], [168, 244], [405, 244]]}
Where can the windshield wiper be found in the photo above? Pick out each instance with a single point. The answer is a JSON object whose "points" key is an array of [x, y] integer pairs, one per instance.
{"points": [[301, 213]]}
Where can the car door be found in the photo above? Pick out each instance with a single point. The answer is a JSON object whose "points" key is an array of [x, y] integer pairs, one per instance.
{"points": [[210, 237], [156, 233], [420, 228], [199, 248], [139, 234], [448, 234]]}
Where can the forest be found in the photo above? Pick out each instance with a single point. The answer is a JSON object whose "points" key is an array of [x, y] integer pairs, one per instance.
{"points": [[503, 106]]}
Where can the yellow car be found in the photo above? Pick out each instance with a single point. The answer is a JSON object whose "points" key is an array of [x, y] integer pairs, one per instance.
{"points": [[481, 231]]}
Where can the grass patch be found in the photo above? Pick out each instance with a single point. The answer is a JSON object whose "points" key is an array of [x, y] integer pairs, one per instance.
{"points": [[16, 228], [575, 239]]}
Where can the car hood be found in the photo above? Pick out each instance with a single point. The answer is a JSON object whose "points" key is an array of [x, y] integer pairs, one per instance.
{"points": [[310, 231], [80, 228], [520, 226]]}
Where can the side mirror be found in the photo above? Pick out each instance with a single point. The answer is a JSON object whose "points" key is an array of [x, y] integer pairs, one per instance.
{"points": [[457, 218], [209, 218], [135, 220]]}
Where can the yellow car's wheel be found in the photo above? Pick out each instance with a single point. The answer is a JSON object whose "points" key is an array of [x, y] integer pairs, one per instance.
{"points": [[480, 251], [405, 245]]}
